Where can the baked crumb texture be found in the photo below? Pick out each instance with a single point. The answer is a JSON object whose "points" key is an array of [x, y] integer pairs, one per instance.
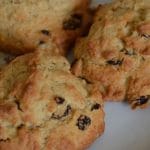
{"points": [[26, 25], [116, 53], [44, 107]]}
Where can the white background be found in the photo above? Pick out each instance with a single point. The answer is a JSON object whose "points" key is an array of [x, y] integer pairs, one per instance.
{"points": [[125, 129]]}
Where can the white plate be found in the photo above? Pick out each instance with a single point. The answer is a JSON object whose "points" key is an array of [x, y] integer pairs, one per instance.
{"points": [[125, 129]]}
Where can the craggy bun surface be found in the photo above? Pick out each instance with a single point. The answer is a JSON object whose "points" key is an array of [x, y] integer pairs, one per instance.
{"points": [[27, 24], [44, 107], [116, 53]]}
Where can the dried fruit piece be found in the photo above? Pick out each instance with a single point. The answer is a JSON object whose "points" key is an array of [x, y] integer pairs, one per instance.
{"points": [[59, 100], [18, 105], [83, 122], [66, 113], [41, 42], [20, 126], [73, 23], [115, 62], [146, 35], [127, 52], [95, 106], [141, 101], [77, 16], [46, 32], [4, 140]]}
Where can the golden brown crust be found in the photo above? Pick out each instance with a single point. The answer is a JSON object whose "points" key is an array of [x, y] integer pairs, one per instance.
{"points": [[138, 93], [26, 25], [118, 45], [24, 140], [44, 107]]}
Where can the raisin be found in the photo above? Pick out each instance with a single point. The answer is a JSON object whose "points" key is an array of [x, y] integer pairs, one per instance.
{"points": [[115, 62], [55, 116], [41, 42], [142, 100], [46, 32], [59, 100], [95, 106], [83, 122], [18, 105], [6, 140], [73, 23], [66, 113], [77, 16], [20, 126], [145, 35], [127, 52]]}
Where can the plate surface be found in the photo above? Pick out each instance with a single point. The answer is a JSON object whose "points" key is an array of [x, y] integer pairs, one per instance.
{"points": [[125, 129]]}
